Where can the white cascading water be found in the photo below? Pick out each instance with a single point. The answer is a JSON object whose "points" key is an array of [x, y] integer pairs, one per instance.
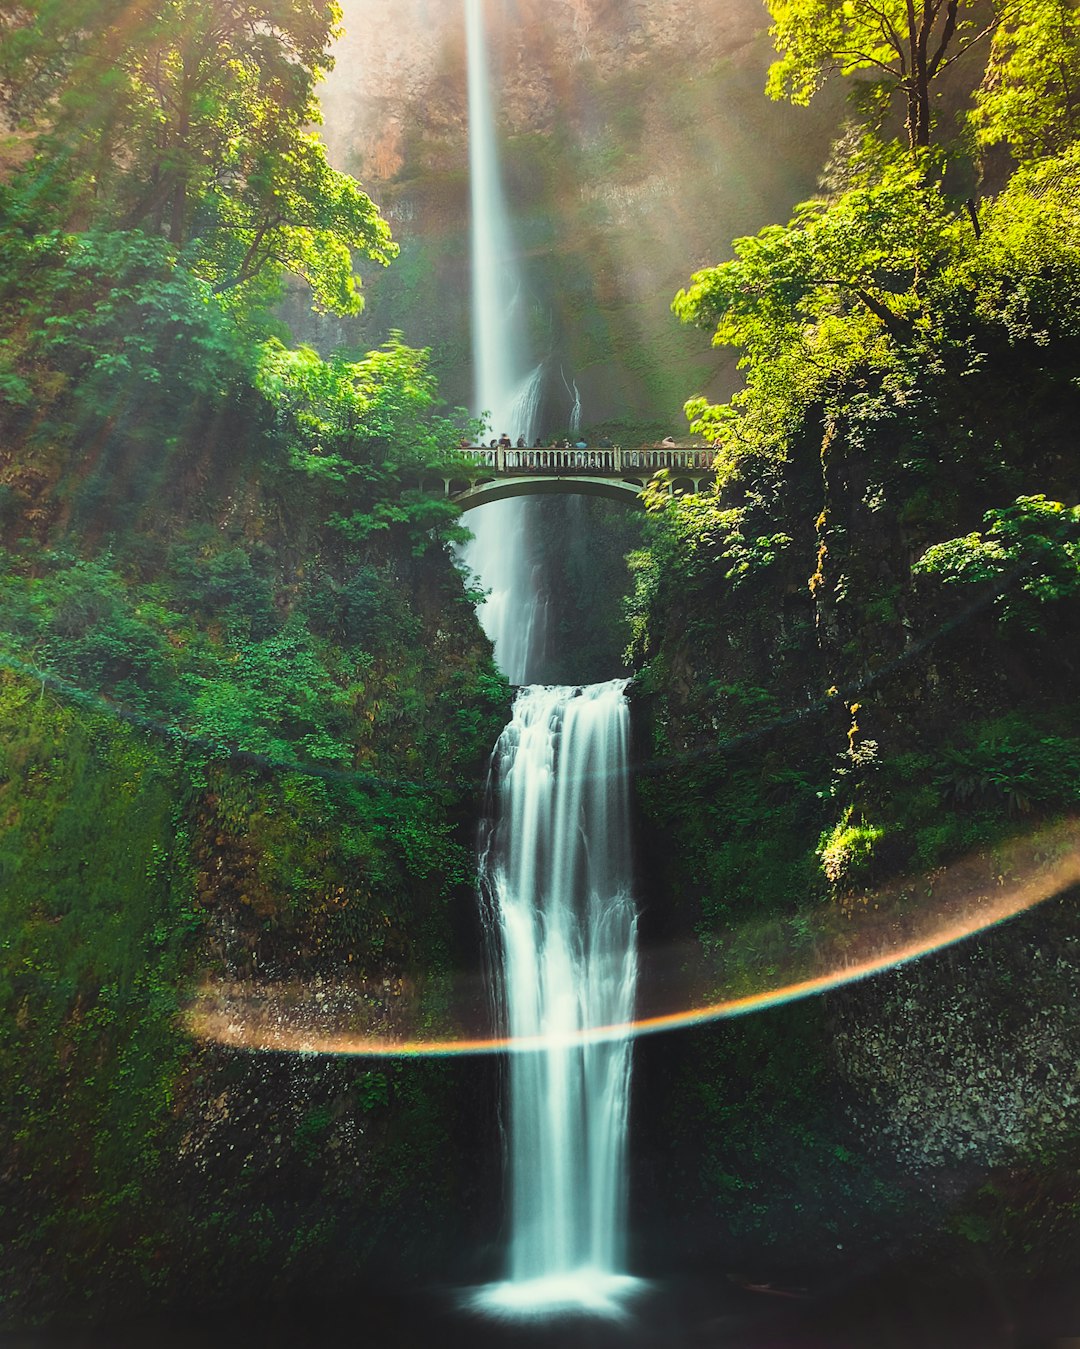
{"points": [[555, 862], [575, 408], [556, 879], [506, 390]]}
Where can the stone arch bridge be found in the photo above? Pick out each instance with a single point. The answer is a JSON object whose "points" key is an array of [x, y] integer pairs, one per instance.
{"points": [[617, 473]]}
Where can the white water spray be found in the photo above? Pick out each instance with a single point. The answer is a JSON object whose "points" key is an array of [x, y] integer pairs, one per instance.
{"points": [[575, 409], [555, 865], [505, 388], [556, 880]]}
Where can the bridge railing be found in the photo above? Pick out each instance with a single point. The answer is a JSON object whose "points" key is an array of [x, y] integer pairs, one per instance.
{"points": [[614, 460]]}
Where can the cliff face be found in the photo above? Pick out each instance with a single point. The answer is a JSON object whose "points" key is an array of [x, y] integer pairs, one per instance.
{"points": [[403, 69], [825, 720], [636, 143], [235, 748]]}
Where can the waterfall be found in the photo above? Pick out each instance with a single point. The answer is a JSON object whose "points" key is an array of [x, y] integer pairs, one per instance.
{"points": [[575, 409], [505, 388], [555, 876], [500, 365], [555, 862]]}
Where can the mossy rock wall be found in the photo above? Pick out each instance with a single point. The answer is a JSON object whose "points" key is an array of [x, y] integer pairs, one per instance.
{"points": [[816, 722], [231, 751]]}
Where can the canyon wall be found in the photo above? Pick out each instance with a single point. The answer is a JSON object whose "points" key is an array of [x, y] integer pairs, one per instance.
{"points": [[636, 145]]}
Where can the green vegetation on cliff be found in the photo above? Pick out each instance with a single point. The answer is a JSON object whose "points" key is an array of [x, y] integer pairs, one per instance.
{"points": [[244, 703], [859, 655]]}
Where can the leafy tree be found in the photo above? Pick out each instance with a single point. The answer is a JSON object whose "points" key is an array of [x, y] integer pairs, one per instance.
{"points": [[870, 250], [842, 283], [348, 420], [898, 47], [191, 119], [1030, 96], [360, 432], [117, 306], [1029, 551], [1025, 272]]}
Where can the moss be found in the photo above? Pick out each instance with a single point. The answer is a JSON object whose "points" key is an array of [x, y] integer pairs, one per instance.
{"points": [[236, 812], [847, 850], [97, 907]]}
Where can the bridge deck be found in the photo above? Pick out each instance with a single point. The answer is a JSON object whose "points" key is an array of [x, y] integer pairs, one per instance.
{"points": [[495, 474], [614, 461]]}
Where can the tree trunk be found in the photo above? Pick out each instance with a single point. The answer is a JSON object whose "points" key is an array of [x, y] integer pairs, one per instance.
{"points": [[899, 327], [178, 216]]}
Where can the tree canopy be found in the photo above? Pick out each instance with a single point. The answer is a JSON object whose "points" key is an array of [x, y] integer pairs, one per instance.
{"points": [[896, 47], [191, 120], [846, 282], [891, 263], [1030, 96]]}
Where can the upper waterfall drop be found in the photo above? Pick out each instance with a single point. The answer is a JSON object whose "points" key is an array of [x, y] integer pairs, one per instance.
{"points": [[507, 385], [504, 377]]}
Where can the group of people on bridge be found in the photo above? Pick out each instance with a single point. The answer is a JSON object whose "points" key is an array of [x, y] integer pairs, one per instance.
{"points": [[560, 456]]}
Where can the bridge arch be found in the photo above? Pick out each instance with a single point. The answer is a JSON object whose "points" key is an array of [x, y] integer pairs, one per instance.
{"points": [[502, 489], [486, 474]]}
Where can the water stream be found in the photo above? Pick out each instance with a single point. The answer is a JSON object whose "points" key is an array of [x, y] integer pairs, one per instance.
{"points": [[556, 882], [506, 382], [555, 857]]}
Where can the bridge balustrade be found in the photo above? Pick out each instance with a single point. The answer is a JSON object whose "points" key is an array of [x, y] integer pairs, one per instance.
{"points": [[615, 460]]}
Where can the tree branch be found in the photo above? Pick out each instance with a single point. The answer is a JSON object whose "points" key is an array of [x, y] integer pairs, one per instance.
{"points": [[870, 61], [967, 46], [891, 35], [946, 37]]}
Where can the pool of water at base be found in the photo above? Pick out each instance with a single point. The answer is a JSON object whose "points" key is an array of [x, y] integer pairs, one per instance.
{"points": [[687, 1313]]}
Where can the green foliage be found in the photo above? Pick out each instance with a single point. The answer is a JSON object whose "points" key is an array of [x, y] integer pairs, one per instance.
{"points": [[701, 535], [357, 431], [78, 622], [1029, 98], [1012, 764], [695, 546], [363, 611], [896, 48], [275, 699], [810, 302], [356, 419], [847, 849], [107, 319], [191, 120], [885, 286], [1023, 275], [1029, 553], [228, 681], [223, 585]]}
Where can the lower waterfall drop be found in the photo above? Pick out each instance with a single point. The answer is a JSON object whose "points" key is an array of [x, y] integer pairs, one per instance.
{"points": [[556, 883]]}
